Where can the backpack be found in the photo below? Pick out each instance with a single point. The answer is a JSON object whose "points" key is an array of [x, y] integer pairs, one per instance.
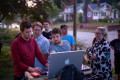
{"points": [[70, 72]]}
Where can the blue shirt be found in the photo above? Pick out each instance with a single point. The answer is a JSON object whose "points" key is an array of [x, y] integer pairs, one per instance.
{"points": [[43, 44], [65, 47], [69, 38]]}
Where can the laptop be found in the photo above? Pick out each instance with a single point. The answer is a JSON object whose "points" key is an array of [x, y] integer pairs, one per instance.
{"points": [[59, 60]]}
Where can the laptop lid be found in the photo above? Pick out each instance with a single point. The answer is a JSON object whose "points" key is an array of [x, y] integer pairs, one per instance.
{"points": [[59, 60]]}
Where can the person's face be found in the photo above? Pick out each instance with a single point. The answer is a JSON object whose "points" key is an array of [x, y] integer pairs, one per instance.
{"points": [[99, 36], [27, 33], [56, 38], [64, 30], [46, 25], [119, 34], [37, 31]]}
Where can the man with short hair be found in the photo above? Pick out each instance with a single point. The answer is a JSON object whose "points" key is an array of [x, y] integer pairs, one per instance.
{"points": [[58, 45], [66, 36], [42, 42], [47, 32], [115, 44], [23, 51]]}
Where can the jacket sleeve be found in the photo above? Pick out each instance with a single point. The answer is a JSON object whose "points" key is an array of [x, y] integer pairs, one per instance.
{"points": [[39, 54], [15, 52]]}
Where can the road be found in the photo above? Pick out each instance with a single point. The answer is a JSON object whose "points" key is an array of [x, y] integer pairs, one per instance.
{"points": [[87, 38]]}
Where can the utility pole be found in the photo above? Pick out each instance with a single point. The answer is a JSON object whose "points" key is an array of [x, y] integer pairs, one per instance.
{"points": [[74, 24]]}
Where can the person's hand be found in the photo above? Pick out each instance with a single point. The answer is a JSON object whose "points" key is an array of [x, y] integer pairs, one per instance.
{"points": [[86, 59], [36, 69], [47, 65], [93, 56]]}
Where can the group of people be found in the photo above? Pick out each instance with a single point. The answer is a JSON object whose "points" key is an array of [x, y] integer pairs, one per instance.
{"points": [[31, 53]]}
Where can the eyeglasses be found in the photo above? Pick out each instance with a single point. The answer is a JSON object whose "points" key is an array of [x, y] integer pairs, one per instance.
{"points": [[37, 30]]}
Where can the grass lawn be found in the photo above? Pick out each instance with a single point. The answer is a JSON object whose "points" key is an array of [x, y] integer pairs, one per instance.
{"points": [[6, 64]]}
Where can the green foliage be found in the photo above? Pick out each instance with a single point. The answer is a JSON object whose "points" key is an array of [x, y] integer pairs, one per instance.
{"points": [[59, 20], [80, 18], [119, 21], [104, 20], [6, 64], [80, 45], [7, 35]]}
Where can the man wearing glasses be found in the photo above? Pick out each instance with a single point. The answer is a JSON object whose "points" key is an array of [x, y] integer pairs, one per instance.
{"points": [[42, 42]]}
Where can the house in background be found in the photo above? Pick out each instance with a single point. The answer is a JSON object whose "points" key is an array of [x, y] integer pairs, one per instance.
{"points": [[69, 12], [96, 12]]}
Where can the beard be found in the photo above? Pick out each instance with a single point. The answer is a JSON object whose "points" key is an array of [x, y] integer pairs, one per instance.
{"points": [[57, 42]]}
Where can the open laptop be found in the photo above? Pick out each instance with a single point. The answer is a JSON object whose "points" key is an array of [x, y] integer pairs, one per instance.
{"points": [[59, 60]]}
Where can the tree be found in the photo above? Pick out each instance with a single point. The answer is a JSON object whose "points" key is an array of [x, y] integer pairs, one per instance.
{"points": [[85, 20], [38, 11]]}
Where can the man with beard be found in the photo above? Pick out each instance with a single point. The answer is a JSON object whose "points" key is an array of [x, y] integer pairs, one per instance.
{"points": [[23, 51], [59, 45], [115, 44], [68, 37]]}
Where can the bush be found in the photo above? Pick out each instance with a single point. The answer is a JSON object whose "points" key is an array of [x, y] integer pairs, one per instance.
{"points": [[119, 21], [80, 45], [7, 35], [105, 20], [59, 20], [80, 18]]}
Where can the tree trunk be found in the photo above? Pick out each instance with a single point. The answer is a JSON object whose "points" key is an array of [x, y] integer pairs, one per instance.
{"points": [[85, 20], [74, 24]]}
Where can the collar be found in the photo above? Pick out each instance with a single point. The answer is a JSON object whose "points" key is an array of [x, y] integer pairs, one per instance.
{"points": [[98, 43], [40, 37]]}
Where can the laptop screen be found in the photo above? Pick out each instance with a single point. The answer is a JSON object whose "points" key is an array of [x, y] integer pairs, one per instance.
{"points": [[59, 60]]}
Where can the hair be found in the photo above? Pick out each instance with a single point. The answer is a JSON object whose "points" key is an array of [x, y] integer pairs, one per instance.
{"points": [[47, 22], [118, 30], [56, 31], [93, 41], [37, 24], [25, 24], [103, 31], [63, 26]]}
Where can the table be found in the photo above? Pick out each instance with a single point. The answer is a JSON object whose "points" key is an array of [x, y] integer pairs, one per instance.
{"points": [[85, 69]]}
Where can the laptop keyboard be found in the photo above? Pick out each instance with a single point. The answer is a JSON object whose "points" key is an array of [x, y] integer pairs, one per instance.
{"points": [[43, 73]]}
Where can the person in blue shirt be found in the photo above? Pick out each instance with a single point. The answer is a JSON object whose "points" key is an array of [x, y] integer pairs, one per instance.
{"points": [[58, 45], [66, 36], [42, 42]]}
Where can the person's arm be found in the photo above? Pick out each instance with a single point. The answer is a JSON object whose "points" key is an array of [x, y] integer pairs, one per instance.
{"points": [[73, 43], [16, 57], [90, 52], [51, 49], [46, 49], [73, 47], [86, 59], [39, 55], [52, 52], [112, 44]]}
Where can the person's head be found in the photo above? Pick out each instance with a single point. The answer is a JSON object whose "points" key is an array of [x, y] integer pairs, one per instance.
{"points": [[25, 28], [100, 33], [46, 25], [56, 35], [118, 33], [64, 29], [37, 29]]}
